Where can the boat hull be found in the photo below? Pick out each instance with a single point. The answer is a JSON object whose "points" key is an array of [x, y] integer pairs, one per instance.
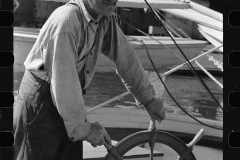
{"points": [[212, 62]]}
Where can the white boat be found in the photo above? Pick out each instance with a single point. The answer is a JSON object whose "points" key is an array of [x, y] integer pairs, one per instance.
{"points": [[210, 25], [212, 62]]}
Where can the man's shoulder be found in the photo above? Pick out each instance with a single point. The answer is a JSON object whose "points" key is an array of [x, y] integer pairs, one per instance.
{"points": [[66, 13], [64, 19]]}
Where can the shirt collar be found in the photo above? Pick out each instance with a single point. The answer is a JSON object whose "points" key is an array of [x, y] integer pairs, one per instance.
{"points": [[87, 17]]}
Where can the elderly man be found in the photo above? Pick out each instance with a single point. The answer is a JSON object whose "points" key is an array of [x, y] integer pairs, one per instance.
{"points": [[50, 119]]}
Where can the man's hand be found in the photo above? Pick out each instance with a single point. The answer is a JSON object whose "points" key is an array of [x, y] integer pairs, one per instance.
{"points": [[156, 109], [99, 136]]}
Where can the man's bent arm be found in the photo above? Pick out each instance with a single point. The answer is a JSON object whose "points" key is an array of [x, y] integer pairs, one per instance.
{"points": [[128, 66], [65, 86]]}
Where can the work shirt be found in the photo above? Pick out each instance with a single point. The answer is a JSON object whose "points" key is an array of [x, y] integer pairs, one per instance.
{"points": [[64, 49]]}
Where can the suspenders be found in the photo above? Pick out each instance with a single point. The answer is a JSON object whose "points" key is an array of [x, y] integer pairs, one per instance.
{"points": [[81, 74]]}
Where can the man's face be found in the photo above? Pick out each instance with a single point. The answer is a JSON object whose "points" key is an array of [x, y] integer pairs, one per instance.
{"points": [[103, 7]]}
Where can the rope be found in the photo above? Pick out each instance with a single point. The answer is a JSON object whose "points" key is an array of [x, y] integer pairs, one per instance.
{"points": [[210, 76], [216, 62]]}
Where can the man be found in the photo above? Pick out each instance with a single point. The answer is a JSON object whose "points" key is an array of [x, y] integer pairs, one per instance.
{"points": [[50, 120]]}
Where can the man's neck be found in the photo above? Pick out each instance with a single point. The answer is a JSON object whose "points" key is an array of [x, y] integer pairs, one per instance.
{"points": [[89, 9]]}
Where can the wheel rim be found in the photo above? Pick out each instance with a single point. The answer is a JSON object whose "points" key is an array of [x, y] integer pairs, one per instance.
{"points": [[163, 138]]}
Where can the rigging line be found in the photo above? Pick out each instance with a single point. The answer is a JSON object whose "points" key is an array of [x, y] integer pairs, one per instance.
{"points": [[193, 69], [170, 28], [218, 128], [178, 29], [173, 31], [182, 21], [209, 75]]}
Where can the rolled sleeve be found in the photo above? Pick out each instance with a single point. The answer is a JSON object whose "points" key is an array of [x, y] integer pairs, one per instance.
{"points": [[65, 86], [129, 67]]}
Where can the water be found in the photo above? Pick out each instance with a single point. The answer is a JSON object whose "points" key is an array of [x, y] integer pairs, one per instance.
{"points": [[191, 95], [186, 89]]}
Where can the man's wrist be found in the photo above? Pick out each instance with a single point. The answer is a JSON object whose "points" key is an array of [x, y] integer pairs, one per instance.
{"points": [[90, 130], [144, 97], [148, 102]]}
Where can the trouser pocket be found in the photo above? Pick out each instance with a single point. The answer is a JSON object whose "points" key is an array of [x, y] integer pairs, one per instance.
{"points": [[46, 129], [34, 108]]}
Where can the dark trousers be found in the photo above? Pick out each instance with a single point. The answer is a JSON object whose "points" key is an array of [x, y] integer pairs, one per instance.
{"points": [[38, 129]]}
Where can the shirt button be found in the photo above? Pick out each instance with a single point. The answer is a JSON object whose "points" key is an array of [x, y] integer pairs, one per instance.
{"points": [[91, 53], [87, 71], [72, 138]]}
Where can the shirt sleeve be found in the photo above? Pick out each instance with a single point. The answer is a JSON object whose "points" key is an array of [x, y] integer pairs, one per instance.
{"points": [[66, 90], [128, 66]]}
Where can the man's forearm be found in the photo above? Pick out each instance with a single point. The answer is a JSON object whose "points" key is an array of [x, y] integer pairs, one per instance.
{"points": [[128, 66]]}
